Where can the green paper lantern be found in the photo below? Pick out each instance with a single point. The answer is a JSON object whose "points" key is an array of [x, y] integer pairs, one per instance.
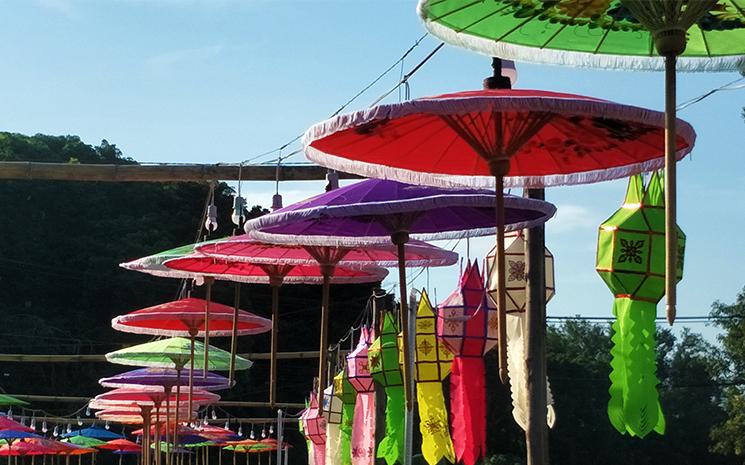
{"points": [[383, 355], [631, 244], [631, 261]]}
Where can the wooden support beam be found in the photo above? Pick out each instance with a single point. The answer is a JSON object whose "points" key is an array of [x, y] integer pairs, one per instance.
{"points": [[21, 170], [97, 358], [221, 403], [219, 422]]}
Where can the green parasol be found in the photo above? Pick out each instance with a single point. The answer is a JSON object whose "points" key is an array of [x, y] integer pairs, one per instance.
{"points": [[6, 400], [175, 352], [84, 441], [690, 35], [593, 33]]}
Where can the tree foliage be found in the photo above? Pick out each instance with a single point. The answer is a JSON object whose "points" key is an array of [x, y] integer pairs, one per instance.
{"points": [[729, 435]]}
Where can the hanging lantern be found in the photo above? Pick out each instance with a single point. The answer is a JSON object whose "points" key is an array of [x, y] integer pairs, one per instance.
{"points": [[467, 324], [314, 429], [432, 361], [332, 405], [333, 411], [239, 211], [344, 390], [631, 261], [516, 270], [383, 357], [363, 429]]}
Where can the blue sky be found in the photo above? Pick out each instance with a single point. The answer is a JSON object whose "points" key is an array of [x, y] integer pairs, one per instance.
{"points": [[223, 80]]}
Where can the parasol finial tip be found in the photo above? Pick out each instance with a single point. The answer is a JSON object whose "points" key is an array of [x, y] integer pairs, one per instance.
{"points": [[670, 312]]}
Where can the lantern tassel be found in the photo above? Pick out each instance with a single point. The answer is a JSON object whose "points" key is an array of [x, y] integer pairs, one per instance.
{"points": [[634, 406], [516, 331], [467, 404], [333, 443], [363, 431], [345, 438], [391, 447], [433, 424]]}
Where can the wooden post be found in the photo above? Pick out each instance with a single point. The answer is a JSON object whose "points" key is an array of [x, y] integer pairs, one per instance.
{"points": [[234, 333], [327, 271], [208, 282], [536, 436]]}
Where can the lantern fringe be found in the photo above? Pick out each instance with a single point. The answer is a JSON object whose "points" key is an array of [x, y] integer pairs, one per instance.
{"points": [[363, 431], [468, 409], [433, 424], [333, 443], [634, 406], [484, 182], [345, 439], [391, 447], [516, 370], [547, 56]]}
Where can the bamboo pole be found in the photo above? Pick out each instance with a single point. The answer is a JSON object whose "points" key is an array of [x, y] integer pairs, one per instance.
{"points": [[160, 173]]}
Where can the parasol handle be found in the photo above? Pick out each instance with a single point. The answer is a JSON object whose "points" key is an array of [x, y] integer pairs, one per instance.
{"points": [[327, 271], [671, 229], [275, 282], [499, 169], [234, 333], [208, 281], [400, 238]]}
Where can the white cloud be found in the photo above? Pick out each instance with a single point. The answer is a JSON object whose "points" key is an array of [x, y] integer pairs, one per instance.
{"points": [[570, 217]]}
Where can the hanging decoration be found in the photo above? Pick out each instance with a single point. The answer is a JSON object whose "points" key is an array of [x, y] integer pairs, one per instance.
{"points": [[332, 410], [314, 429], [432, 361], [631, 261], [516, 293], [344, 390], [363, 429], [468, 326], [383, 358]]}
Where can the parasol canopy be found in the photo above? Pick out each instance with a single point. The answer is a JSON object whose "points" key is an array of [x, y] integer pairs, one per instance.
{"points": [[10, 424], [236, 260], [186, 317], [93, 432], [6, 400], [175, 351], [122, 445], [381, 253], [602, 34], [548, 138], [149, 397], [373, 209], [164, 377], [84, 441]]}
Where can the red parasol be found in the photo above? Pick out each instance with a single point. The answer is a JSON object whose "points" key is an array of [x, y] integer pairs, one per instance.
{"points": [[496, 137]]}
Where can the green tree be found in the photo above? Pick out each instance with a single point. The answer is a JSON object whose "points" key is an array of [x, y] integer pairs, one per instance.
{"points": [[729, 435]]}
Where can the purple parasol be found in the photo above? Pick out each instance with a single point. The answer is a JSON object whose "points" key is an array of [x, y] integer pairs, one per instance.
{"points": [[372, 210], [164, 377], [376, 210]]}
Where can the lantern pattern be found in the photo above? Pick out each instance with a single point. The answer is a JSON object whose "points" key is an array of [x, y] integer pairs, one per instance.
{"points": [[343, 390], [631, 261], [363, 429], [384, 367], [516, 297], [432, 361], [468, 325], [314, 429], [308, 443], [332, 410]]}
